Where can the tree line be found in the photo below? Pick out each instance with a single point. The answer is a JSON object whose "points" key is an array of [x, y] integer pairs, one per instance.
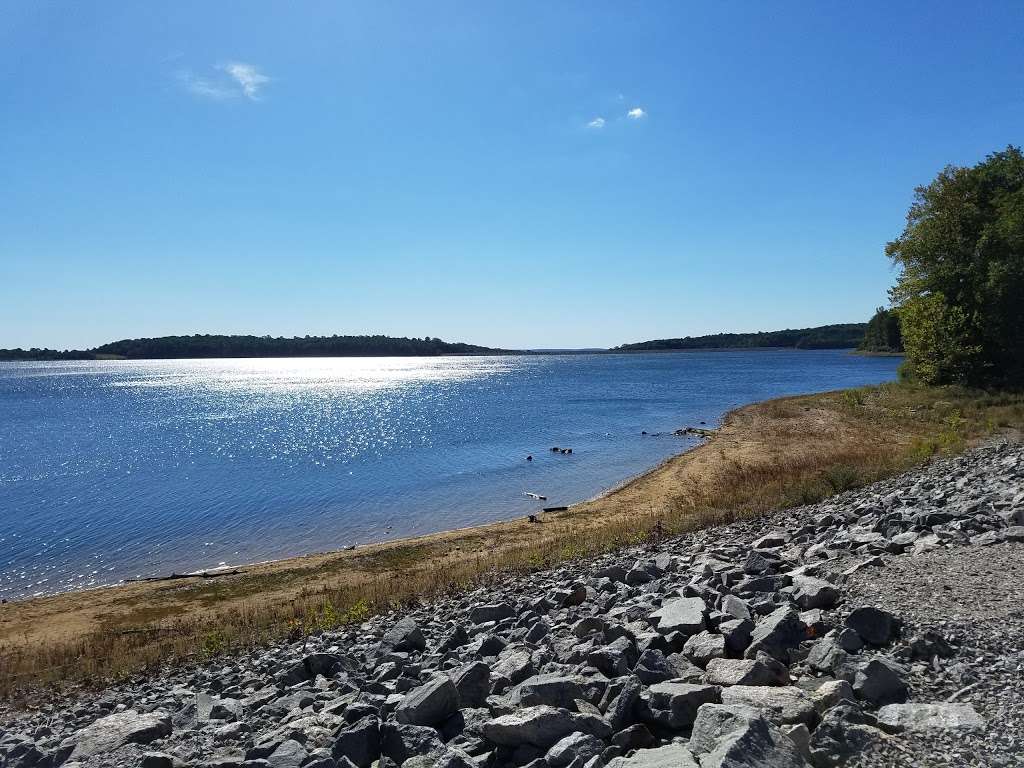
{"points": [[211, 346], [838, 336], [959, 297]]}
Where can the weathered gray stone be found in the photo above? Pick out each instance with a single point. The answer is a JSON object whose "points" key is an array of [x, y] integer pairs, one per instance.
{"points": [[776, 634], [473, 683], [674, 705], [763, 670], [785, 704], [572, 748], [739, 736], [429, 704], [290, 754], [669, 756], [552, 689], [405, 635], [812, 592], [542, 726], [114, 731], [683, 614], [703, 647], [880, 681], [929, 717], [495, 612], [360, 742]]}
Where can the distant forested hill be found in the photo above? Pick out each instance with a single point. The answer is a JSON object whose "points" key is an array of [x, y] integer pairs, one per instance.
{"points": [[206, 345], [841, 336]]}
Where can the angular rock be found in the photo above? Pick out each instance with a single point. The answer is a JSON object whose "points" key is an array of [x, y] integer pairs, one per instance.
{"points": [[929, 717], [542, 726], [785, 704], [405, 635], [874, 625], [683, 614], [494, 612], [572, 748], [703, 647], [360, 742], [737, 634], [814, 593], [881, 681], [552, 689], [739, 736], [430, 704], [669, 756], [776, 634], [763, 670], [674, 705], [290, 754], [473, 683], [114, 731], [400, 742]]}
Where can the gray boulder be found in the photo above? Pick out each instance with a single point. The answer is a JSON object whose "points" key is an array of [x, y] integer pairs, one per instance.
{"points": [[289, 754], [703, 647], [669, 756], [400, 742], [684, 615], [814, 593], [495, 612], [114, 731], [473, 683], [776, 634], [430, 704], [360, 742], [929, 717], [786, 704], [405, 635], [674, 705], [555, 690], [763, 670], [739, 736], [880, 681], [542, 726], [874, 625], [574, 747]]}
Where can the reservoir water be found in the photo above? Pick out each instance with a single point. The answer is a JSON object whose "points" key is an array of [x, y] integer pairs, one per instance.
{"points": [[112, 470]]}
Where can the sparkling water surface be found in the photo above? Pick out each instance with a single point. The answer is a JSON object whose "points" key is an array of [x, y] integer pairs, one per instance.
{"points": [[112, 470]]}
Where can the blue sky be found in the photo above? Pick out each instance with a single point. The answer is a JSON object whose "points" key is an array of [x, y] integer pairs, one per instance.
{"points": [[527, 174]]}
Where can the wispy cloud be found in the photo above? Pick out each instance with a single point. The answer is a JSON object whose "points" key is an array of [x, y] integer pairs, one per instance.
{"points": [[636, 113], [232, 80], [597, 122], [248, 77]]}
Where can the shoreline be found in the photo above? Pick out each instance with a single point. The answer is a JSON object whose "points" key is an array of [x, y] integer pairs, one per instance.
{"points": [[767, 455]]}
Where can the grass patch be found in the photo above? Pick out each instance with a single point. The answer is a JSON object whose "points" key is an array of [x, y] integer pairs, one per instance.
{"points": [[781, 453]]}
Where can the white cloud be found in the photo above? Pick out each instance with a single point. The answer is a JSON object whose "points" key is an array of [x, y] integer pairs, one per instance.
{"points": [[597, 122], [636, 113], [248, 77], [234, 80]]}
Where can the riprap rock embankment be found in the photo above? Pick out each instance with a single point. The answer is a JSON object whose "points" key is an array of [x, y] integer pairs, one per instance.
{"points": [[882, 627]]}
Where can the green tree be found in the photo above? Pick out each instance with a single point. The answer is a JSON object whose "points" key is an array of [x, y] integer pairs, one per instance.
{"points": [[960, 294], [883, 333]]}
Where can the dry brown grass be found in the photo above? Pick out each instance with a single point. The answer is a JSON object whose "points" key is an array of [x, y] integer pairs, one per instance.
{"points": [[780, 453]]}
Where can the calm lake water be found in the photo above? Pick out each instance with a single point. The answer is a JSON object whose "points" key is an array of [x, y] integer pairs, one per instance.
{"points": [[110, 470]]}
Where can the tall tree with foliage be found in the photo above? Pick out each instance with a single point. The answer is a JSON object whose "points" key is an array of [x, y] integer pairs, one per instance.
{"points": [[960, 295], [883, 333]]}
